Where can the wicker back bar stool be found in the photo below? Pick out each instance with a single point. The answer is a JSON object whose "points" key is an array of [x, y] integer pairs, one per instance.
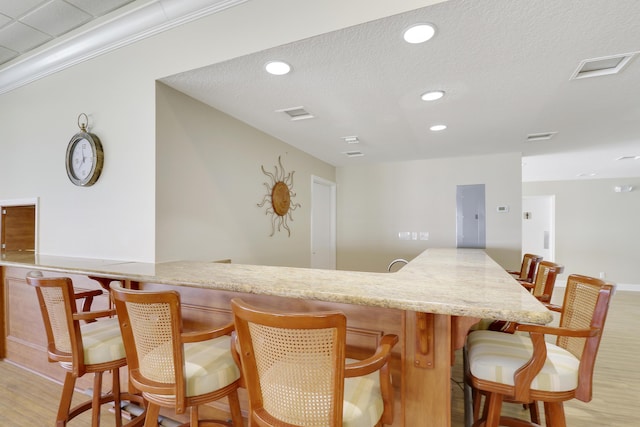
{"points": [[173, 368], [296, 372], [82, 342], [525, 368]]}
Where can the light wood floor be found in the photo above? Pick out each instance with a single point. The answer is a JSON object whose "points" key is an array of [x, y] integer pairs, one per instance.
{"points": [[27, 399]]}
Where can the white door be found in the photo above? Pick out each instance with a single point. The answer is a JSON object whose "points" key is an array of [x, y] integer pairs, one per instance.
{"points": [[323, 223], [538, 226]]}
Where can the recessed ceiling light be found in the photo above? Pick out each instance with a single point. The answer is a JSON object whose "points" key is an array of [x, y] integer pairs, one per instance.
{"points": [[419, 33], [437, 128], [277, 68], [432, 95]]}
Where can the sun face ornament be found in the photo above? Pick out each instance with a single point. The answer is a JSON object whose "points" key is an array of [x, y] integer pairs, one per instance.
{"points": [[278, 199]]}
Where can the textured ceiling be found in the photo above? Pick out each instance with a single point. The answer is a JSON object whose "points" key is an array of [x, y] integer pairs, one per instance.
{"points": [[505, 66], [28, 24]]}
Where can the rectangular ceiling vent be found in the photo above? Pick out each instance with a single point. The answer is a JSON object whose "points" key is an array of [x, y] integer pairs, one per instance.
{"points": [[534, 137], [296, 113], [354, 153], [602, 66]]}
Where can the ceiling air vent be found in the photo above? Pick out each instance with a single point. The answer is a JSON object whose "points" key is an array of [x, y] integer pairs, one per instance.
{"points": [[354, 153], [296, 113], [534, 137], [602, 66]]}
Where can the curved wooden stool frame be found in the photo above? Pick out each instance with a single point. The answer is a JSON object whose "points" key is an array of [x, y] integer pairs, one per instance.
{"points": [[134, 309], [583, 315], [64, 345], [288, 357]]}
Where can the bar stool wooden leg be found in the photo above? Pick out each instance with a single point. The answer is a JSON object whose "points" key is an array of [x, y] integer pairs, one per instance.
{"points": [[97, 394], [65, 399], [234, 407]]}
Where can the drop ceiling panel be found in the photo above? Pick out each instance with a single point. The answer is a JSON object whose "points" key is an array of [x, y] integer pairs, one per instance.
{"points": [[98, 7], [20, 37], [17, 8], [27, 24], [56, 18], [6, 54]]}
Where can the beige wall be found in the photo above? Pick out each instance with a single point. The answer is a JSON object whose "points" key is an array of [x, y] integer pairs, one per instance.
{"points": [[597, 229], [210, 183], [377, 201], [116, 218]]}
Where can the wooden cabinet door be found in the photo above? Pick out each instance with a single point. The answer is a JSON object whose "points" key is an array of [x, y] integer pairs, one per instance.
{"points": [[18, 228]]}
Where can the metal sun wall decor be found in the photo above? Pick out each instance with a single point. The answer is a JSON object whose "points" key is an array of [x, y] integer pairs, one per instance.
{"points": [[279, 198]]}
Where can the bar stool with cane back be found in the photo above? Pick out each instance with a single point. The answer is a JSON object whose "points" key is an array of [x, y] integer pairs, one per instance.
{"points": [[527, 268], [541, 288], [172, 368], [544, 280], [524, 368], [295, 373], [94, 347]]}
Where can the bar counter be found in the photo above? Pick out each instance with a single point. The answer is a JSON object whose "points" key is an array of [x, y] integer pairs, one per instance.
{"points": [[429, 294]]}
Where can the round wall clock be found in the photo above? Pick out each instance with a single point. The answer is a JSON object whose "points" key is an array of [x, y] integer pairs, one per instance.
{"points": [[84, 157]]}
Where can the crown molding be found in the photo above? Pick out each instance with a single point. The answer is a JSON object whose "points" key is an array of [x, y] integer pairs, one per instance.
{"points": [[139, 22]]}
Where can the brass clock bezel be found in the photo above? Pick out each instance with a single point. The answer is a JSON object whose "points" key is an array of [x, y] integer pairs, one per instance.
{"points": [[96, 152]]}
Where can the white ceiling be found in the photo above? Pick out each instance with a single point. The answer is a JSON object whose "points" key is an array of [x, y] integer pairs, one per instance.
{"points": [[28, 24], [505, 66]]}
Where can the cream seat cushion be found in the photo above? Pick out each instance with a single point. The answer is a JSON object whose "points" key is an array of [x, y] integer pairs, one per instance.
{"points": [[209, 365], [362, 404], [495, 356], [102, 341]]}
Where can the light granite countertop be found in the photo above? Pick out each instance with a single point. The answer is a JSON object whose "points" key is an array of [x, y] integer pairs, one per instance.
{"points": [[462, 282]]}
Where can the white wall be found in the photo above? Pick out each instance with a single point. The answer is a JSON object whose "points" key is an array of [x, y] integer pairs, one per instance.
{"points": [[210, 183], [377, 201], [116, 217], [597, 229]]}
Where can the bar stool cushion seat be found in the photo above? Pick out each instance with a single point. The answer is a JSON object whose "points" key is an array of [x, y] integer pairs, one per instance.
{"points": [[363, 404], [102, 341], [209, 365], [495, 356]]}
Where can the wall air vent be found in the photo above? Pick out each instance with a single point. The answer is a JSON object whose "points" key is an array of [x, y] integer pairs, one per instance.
{"points": [[602, 66], [534, 137], [354, 153], [296, 113]]}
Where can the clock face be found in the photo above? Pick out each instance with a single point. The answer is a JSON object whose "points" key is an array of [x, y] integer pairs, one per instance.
{"points": [[84, 159]]}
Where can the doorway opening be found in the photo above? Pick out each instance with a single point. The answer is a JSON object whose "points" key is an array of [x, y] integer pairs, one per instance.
{"points": [[538, 226]]}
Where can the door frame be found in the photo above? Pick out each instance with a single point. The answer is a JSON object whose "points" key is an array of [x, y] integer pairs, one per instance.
{"points": [[316, 180], [552, 232]]}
